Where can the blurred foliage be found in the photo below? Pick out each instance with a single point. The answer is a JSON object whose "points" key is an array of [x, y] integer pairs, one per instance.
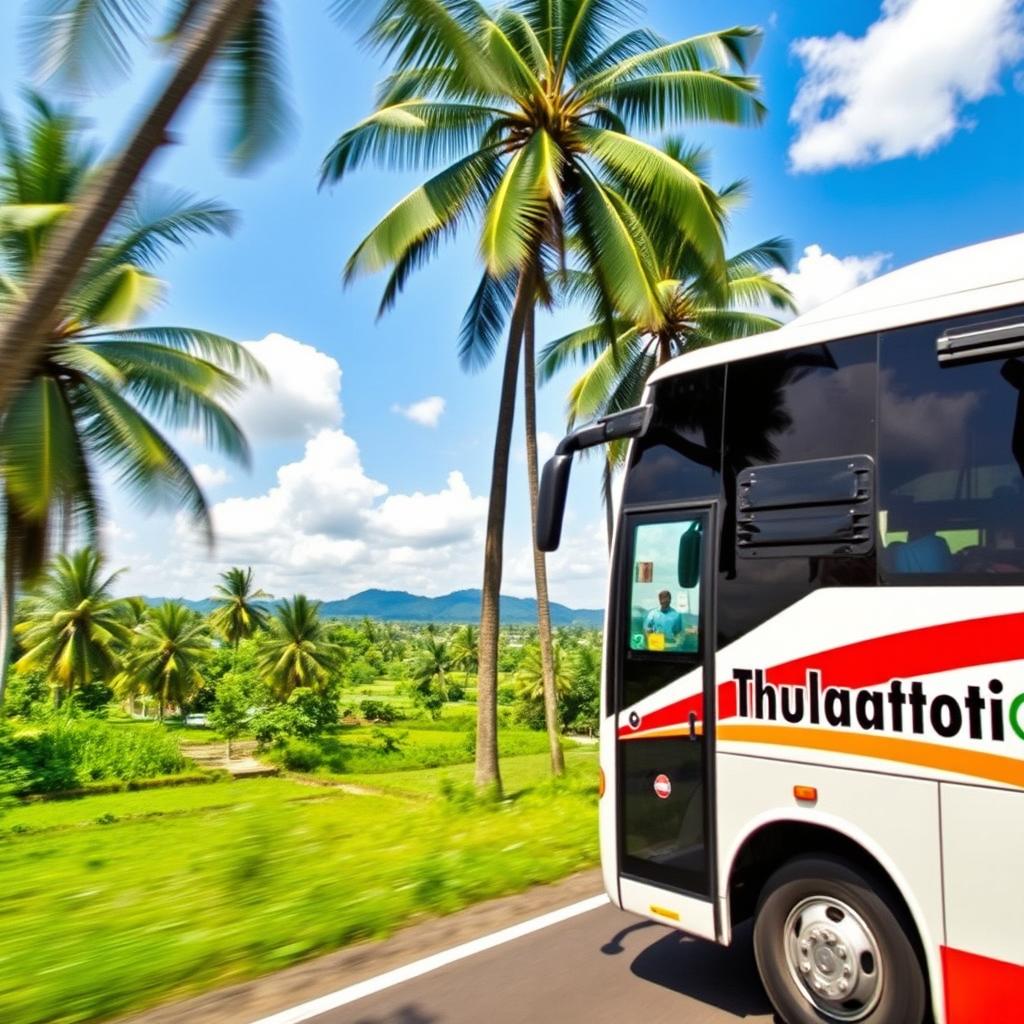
{"points": [[66, 754], [168, 892]]}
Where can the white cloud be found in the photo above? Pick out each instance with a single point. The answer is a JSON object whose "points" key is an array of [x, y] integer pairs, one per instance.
{"points": [[546, 444], [578, 570], [329, 528], [326, 527], [326, 492], [450, 516], [210, 476], [902, 87], [820, 276], [303, 394], [427, 412], [113, 534]]}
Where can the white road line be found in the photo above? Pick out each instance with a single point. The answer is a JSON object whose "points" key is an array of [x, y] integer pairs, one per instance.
{"points": [[344, 996]]}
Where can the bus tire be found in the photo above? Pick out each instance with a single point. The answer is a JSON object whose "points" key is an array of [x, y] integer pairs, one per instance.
{"points": [[830, 946]]}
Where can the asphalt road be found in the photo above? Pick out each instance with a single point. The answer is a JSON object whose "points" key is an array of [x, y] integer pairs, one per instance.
{"points": [[600, 966], [603, 966]]}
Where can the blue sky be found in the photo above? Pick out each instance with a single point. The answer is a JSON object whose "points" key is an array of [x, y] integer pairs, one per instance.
{"points": [[893, 134]]}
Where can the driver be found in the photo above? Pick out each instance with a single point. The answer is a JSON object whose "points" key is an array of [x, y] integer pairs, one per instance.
{"points": [[665, 622]]}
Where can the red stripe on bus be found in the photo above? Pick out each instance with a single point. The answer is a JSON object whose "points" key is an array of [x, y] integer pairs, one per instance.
{"points": [[980, 990], [679, 712], [915, 652]]}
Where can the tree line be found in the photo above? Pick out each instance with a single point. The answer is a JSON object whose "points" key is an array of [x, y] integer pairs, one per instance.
{"points": [[272, 668], [528, 116]]}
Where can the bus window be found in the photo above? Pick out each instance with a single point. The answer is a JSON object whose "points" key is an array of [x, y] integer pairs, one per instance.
{"points": [[664, 616], [951, 464], [680, 457], [816, 402]]}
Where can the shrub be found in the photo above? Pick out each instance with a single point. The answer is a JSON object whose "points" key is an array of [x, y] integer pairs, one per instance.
{"points": [[388, 742], [316, 711], [379, 711], [230, 713], [67, 754], [360, 672], [301, 756], [529, 713], [27, 694]]}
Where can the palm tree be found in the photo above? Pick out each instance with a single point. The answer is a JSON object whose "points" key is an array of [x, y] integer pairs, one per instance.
{"points": [[429, 669], [74, 628], [77, 37], [135, 611], [166, 656], [465, 649], [534, 103], [698, 307], [91, 393], [239, 614], [529, 677], [295, 650], [390, 641]]}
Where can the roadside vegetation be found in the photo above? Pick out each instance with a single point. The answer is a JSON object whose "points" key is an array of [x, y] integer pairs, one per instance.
{"points": [[171, 890], [222, 895], [373, 729]]}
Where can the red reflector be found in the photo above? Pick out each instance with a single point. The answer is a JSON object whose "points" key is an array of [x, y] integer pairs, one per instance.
{"points": [[808, 793], [600, 783]]}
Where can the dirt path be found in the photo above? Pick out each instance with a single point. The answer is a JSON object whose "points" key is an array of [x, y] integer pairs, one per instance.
{"points": [[243, 763]]}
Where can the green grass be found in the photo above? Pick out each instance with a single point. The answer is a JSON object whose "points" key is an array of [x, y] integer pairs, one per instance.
{"points": [[518, 775], [58, 814], [186, 735], [112, 903], [358, 749]]}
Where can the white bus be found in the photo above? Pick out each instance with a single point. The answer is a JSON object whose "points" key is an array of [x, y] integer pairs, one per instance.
{"points": [[813, 689]]}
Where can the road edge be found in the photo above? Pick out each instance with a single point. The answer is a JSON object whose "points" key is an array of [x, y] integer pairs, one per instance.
{"points": [[273, 993]]}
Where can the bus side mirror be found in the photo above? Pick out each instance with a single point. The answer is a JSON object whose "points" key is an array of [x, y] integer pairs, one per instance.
{"points": [[689, 557], [554, 481], [554, 486]]}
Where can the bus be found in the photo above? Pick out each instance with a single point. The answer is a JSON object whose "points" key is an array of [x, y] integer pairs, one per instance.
{"points": [[812, 709]]}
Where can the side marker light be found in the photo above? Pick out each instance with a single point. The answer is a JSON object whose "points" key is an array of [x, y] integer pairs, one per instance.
{"points": [[806, 794], [600, 783], [662, 912]]}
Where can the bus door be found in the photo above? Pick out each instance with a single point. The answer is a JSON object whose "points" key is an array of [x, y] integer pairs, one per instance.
{"points": [[664, 719]]}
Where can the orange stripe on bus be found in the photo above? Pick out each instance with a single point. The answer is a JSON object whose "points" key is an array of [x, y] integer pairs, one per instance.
{"points": [[660, 734], [995, 767]]}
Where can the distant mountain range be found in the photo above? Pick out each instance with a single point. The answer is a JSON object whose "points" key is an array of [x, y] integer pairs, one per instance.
{"points": [[460, 606]]}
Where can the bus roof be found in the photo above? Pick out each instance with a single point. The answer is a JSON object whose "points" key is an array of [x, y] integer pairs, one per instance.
{"points": [[985, 276]]}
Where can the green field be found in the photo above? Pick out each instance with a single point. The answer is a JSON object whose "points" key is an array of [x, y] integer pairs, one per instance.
{"points": [[519, 775], [115, 902]]}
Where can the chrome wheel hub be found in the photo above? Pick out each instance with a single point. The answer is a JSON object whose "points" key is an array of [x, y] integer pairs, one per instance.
{"points": [[834, 958]]}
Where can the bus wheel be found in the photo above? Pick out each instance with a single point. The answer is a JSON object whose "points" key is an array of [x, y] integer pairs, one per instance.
{"points": [[831, 947]]}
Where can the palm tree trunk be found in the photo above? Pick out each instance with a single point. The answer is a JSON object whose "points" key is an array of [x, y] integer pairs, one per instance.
{"points": [[540, 569], [487, 774], [7, 609], [23, 333]]}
